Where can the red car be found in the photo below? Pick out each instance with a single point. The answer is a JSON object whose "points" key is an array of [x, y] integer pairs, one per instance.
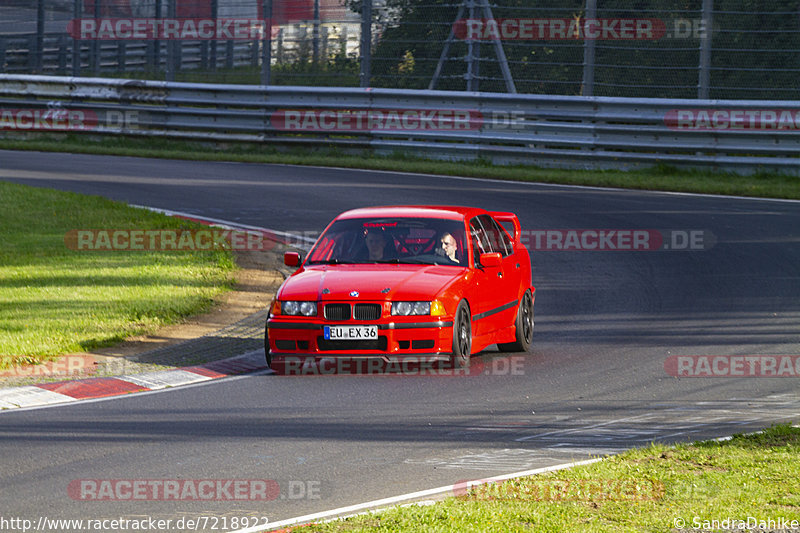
{"points": [[394, 282]]}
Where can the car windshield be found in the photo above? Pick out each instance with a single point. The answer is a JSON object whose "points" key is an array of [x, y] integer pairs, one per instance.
{"points": [[391, 240]]}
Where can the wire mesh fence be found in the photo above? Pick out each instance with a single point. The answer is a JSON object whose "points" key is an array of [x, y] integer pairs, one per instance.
{"points": [[740, 49]]}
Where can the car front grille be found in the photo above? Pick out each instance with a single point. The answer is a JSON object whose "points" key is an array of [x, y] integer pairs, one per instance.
{"points": [[337, 311], [367, 312]]}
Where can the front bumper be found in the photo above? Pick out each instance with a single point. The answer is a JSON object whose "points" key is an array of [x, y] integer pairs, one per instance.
{"points": [[396, 339]]}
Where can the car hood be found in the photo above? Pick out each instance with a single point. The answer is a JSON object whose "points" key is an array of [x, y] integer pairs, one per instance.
{"points": [[372, 282]]}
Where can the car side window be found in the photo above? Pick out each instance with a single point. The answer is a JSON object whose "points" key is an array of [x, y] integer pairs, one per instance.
{"points": [[480, 245], [507, 230], [494, 235]]}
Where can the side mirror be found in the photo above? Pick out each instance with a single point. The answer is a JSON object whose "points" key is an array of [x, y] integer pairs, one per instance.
{"points": [[493, 259], [291, 259]]}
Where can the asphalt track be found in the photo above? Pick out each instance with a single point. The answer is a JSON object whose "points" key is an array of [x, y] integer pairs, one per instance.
{"points": [[595, 381]]}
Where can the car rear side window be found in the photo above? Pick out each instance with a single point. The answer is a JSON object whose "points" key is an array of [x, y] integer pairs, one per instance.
{"points": [[480, 244], [496, 235]]}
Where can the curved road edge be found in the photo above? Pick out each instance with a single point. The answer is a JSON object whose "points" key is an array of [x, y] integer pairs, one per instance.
{"points": [[59, 392]]}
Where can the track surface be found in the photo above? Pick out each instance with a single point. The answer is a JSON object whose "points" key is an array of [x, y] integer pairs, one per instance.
{"points": [[594, 382]]}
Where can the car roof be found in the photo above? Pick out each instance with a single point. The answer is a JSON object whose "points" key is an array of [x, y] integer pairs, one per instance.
{"points": [[417, 211]]}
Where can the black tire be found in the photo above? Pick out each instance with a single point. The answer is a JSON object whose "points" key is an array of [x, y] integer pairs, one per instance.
{"points": [[462, 336], [523, 326], [267, 355]]}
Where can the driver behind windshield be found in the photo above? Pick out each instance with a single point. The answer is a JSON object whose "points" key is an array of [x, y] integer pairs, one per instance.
{"points": [[376, 245], [449, 247]]}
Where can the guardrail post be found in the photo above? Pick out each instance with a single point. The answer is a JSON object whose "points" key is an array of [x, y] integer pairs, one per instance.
{"points": [[156, 44], [171, 43], [204, 47], [94, 57], [177, 51], [366, 42], [315, 35], [704, 74], [31, 46], [324, 52], [2, 54], [212, 44], [230, 53], [587, 87], [122, 52], [472, 61], [39, 35], [62, 54], [266, 45], [77, 9]]}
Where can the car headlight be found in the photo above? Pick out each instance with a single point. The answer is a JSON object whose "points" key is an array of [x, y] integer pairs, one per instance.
{"points": [[294, 308], [411, 308], [308, 308]]}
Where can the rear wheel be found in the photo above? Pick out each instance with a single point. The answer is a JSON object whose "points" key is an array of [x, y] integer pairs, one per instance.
{"points": [[523, 326], [462, 336], [266, 346]]}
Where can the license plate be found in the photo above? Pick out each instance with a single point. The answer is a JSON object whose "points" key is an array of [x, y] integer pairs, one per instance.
{"points": [[335, 333]]}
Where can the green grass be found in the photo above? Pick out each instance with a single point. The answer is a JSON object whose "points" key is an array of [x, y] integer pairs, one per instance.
{"points": [[663, 178], [55, 300], [748, 476]]}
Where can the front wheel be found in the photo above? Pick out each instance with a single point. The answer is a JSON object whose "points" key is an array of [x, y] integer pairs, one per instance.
{"points": [[462, 336], [523, 326]]}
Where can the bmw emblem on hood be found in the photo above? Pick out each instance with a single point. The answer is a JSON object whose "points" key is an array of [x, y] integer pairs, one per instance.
{"points": [[354, 294]]}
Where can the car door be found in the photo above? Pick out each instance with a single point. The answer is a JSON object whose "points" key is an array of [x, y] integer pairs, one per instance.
{"points": [[510, 272], [489, 281]]}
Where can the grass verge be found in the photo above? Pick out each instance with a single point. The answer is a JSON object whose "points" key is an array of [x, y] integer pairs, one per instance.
{"points": [[664, 178], [753, 478], [55, 300]]}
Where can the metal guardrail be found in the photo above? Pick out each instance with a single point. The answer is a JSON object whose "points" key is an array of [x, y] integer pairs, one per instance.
{"points": [[18, 56], [562, 131]]}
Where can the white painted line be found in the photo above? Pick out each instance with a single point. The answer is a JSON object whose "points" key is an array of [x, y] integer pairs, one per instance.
{"points": [[164, 378], [6, 405], [29, 396], [583, 428], [227, 223], [377, 505]]}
